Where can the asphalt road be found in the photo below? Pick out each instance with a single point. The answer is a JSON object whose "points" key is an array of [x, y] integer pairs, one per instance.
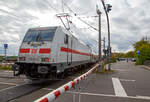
{"points": [[128, 83]]}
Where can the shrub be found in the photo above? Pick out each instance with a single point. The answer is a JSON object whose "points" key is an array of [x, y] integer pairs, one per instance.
{"points": [[144, 53]]}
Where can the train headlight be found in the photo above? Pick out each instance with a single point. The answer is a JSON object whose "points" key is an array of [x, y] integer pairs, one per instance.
{"points": [[39, 44], [31, 44], [22, 58]]}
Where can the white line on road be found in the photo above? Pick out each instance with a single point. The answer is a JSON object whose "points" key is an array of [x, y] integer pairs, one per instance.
{"points": [[143, 97], [118, 88], [8, 83], [10, 87], [127, 80]]}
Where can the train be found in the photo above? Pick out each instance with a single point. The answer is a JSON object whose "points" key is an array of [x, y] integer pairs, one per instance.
{"points": [[45, 52]]}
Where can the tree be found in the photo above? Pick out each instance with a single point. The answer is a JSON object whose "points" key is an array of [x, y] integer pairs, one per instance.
{"points": [[130, 54], [138, 44], [144, 48], [144, 53]]}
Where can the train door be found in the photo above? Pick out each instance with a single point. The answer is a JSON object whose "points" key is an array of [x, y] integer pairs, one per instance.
{"points": [[69, 43], [71, 48]]}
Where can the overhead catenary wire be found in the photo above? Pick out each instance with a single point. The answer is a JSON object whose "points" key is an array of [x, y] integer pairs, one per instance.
{"points": [[88, 24], [83, 22], [56, 10], [91, 44], [69, 9], [80, 18]]}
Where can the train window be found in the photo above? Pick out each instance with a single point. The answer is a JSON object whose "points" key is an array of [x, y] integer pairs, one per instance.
{"points": [[30, 36], [66, 39], [39, 35], [46, 35]]}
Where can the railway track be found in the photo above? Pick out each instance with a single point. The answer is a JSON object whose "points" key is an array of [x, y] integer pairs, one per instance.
{"points": [[17, 90]]}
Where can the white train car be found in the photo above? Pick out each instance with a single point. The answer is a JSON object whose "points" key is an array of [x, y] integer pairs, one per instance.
{"points": [[47, 51]]}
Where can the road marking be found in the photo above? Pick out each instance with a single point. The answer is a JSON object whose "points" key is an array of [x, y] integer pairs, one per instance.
{"points": [[9, 71], [144, 97], [48, 89], [8, 83], [104, 95], [7, 88], [11, 87], [126, 80], [118, 88]]}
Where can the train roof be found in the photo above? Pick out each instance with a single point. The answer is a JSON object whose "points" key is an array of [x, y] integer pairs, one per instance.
{"points": [[63, 29], [44, 28]]}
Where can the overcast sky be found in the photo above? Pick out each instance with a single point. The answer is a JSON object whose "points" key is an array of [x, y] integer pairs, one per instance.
{"points": [[129, 20]]}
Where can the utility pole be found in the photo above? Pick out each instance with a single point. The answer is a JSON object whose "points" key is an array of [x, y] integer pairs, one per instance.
{"points": [[99, 14], [107, 9], [104, 50]]}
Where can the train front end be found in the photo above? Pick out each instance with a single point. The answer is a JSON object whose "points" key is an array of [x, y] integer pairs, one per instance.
{"points": [[34, 58]]}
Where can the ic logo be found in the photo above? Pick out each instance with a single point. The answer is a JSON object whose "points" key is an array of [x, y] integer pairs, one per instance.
{"points": [[34, 51]]}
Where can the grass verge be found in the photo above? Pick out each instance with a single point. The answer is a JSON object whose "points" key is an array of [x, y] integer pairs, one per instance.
{"points": [[104, 70], [7, 67]]}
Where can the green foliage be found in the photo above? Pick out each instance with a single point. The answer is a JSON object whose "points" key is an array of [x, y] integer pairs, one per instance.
{"points": [[130, 54], [120, 55], [144, 53], [138, 44], [8, 67], [13, 58], [113, 58]]}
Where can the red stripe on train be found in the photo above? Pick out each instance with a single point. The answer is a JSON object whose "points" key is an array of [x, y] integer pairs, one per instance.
{"points": [[45, 51], [63, 49], [27, 50]]}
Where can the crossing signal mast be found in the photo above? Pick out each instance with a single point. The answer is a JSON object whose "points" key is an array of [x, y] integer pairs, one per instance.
{"points": [[108, 7]]}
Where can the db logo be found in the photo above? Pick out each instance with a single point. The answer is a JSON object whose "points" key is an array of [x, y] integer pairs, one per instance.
{"points": [[34, 51]]}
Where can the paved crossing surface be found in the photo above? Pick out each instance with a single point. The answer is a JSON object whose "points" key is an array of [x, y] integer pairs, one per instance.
{"points": [[128, 83]]}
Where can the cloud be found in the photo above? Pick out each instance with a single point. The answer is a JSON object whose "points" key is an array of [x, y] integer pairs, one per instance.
{"points": [[129, 20]]}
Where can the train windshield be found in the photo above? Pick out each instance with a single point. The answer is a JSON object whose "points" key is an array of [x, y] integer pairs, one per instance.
{"points": [[30, 36], [39, 35], [46, 35]]}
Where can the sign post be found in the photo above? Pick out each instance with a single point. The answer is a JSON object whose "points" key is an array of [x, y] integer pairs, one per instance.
{"points": [[5, 47], [138, 53]]}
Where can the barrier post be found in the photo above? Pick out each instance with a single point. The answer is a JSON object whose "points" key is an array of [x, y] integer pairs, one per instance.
{"points": [[74, 95]]}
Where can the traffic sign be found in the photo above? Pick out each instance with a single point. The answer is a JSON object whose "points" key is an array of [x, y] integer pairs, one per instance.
{"points": [[138, 52], [5, 46]]}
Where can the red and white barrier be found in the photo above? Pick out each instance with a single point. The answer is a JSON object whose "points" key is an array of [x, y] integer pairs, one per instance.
{"points": [[54, 94]]}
